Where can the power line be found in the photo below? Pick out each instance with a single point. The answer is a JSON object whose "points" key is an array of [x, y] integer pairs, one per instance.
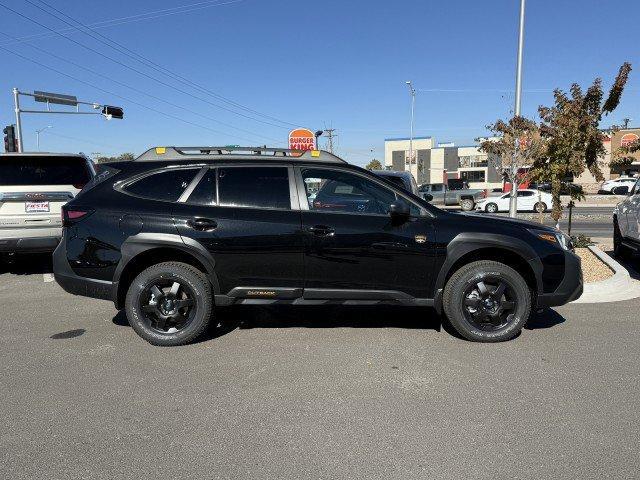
{"points": [[149, 63], [133, 102], [94, 72], [150, 15], [97, 52]]}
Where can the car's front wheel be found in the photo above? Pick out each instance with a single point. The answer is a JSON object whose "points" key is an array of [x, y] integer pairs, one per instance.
{"points": [[491, 207], [169, 304], [487, 301]]}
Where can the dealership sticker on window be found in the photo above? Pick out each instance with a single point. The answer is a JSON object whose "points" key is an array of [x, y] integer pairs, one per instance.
{"points": [[35, 207]]}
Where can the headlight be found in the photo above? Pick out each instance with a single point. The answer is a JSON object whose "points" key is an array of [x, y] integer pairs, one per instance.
{"points": [[559, 238]]}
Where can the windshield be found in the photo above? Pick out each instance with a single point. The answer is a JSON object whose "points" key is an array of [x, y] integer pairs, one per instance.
{"points": [[33, 170]]}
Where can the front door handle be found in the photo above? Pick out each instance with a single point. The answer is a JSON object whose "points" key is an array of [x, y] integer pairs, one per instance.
{"points": [[321, 231], [202, 224]]}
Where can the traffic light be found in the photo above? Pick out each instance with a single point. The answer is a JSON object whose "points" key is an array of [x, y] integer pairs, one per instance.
{"points": [[10, 143], [112, 112]]}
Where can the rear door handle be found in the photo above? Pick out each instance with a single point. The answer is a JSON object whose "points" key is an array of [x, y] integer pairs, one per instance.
{"points": [[202, 224], [322, 231]]}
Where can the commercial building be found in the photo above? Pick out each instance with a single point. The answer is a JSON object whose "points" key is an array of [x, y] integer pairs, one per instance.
{"points": [[436, 163]]}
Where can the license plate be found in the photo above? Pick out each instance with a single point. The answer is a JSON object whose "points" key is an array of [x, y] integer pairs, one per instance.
{"points": [[35, 207]]}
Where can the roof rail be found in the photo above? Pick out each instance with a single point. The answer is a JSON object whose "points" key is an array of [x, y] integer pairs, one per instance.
{"points": [[230, 152]]}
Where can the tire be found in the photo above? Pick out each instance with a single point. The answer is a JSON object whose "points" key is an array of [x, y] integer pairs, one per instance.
{"points": [[155, 314], [491, 208], [619, 250], [498, 316], [540, 207], [467, 204]]}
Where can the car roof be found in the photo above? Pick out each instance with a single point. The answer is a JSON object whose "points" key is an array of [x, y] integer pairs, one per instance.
{"points": [[391, 173]]}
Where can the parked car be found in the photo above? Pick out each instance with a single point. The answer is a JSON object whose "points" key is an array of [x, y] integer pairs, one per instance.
{"points": [[566, 188], [179, 232], [402, 179], [528, 201], [441, 194], [33, 188], [609, 185], [626, 218]]}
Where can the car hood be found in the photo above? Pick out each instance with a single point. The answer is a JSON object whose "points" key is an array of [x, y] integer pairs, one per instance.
{"points": [[513, 222]]}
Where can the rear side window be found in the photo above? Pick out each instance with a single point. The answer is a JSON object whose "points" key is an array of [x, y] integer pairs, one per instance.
{"points": [[167, 185], [28, 170], [260, 187], [397, 181], [205, 191]]}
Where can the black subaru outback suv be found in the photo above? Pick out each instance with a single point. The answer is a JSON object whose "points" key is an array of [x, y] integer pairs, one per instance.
{"points": [[179, 232]]}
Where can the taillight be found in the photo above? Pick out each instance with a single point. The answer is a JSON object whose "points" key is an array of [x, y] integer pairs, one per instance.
{"points": [[71, 215], [79, 186]]}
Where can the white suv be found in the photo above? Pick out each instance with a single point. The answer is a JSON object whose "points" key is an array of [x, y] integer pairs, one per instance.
{"points": [[626, 223], [33, 188]]}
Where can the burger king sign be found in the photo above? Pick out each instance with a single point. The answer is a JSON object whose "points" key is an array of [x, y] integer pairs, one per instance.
{"points": [[302, 139]]}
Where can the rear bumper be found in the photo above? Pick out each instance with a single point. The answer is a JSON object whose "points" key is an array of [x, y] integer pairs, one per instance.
{"points": [[75, 284], [570, 288], [29, 245]]}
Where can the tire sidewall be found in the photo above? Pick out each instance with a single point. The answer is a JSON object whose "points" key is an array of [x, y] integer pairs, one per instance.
{"points": [[203, 305], [490, 208], [470, 204]]}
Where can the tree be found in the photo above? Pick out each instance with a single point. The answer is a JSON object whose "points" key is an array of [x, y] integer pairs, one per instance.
{"points": [[571, 130], [508, 160], [123, 157], [374, 165]]}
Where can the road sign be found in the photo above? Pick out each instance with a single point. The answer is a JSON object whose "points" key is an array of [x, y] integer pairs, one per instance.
{"points": [[302, 139], [57, 98]]}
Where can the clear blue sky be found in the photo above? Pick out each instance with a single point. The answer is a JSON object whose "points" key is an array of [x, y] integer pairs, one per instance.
{"points": [[313, 64]]}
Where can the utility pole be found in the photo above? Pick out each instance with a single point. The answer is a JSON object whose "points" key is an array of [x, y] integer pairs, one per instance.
{"points": [[513, 199], [330, 135], [625, 122], [412, 92], [16, 103]]}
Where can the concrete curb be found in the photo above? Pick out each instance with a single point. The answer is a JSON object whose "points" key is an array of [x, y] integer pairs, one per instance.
{"points": [[615, 289]]}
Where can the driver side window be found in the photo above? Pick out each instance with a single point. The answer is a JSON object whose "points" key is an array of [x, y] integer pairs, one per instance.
{"points": [[344, 192]]}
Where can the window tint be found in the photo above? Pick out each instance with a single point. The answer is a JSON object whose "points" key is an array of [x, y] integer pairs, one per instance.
{"points": [[205, 191], [167, 185], [525, 193], [338, 191], [437, 187], [397, 181], [43, 170], [261, 187]]}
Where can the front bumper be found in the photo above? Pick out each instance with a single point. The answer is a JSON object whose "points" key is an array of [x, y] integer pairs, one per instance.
{"points": [[75, 284], [570, 288]]}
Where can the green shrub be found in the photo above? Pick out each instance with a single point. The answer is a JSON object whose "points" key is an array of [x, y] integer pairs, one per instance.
{"points": [[581, 241]]}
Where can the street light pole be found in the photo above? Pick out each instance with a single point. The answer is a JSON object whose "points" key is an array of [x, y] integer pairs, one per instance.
{"points": [[513, 199], [38, 132], [412, 92], [16, 104]]}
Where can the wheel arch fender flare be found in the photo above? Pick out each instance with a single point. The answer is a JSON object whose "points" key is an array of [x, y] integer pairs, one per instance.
{"points": [[467, 242], [142, 242]]}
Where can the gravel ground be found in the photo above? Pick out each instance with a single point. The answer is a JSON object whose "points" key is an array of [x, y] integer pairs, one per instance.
{"points": [[593, 268]]}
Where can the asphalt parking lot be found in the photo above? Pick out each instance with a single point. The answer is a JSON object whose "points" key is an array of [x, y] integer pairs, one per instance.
{"points": [[312, 393]]}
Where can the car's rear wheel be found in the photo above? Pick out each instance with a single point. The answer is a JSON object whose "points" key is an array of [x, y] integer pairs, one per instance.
{"points": [[491, 207], [540, 207], [487, 301], [169, 304], [467, 204]]}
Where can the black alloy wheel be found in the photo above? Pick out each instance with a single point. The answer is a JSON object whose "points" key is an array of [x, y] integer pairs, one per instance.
{"points": [[169, 304], [489, 303]]}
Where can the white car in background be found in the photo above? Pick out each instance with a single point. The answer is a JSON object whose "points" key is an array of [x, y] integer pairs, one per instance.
{"points": [[609, 185], [528, 201], [33, 188]]}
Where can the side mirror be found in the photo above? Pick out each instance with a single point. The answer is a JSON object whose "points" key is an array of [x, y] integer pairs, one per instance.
{"points": [[399, 210], [427, 196], [621, 190]]}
